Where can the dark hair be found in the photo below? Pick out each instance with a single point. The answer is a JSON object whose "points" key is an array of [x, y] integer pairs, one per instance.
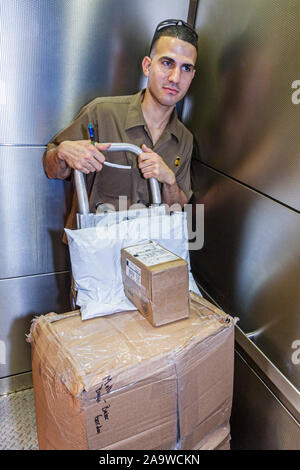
{"points": [[177, 29]]}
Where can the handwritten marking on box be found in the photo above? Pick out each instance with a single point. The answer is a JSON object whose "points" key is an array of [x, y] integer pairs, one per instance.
{"points": [[101, 398]]}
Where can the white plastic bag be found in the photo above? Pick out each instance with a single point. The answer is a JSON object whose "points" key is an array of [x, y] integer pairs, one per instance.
{"points": [[96, 258]]}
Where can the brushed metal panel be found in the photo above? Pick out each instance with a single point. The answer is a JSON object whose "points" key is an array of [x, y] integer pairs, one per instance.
{"points": [[240, 104], [57, 55], [32, 213], [250, 262], [14, 383], [279, 340], [20, 300], [258, 420], [280, 384]]}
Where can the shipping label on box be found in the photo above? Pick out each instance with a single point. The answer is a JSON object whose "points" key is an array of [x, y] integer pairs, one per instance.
{"points": [[156, 281]]}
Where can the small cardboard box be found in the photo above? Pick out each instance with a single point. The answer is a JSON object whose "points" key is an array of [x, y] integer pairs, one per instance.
{"points": [[156, 282], [116, 382]]}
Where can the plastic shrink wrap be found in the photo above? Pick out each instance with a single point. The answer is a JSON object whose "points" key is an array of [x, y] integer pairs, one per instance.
{"points": [[116, 382]]}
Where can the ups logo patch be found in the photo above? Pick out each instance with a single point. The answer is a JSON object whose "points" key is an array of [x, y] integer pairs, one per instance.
{"points": [[177, 161]]}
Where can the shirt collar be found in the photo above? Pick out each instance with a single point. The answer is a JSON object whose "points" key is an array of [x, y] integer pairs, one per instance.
{"points": [[136, 118]]}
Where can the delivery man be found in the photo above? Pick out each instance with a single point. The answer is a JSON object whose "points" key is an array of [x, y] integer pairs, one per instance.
{"points": [[147, 119]]}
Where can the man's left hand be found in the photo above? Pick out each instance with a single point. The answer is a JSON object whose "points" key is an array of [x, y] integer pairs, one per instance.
{"points": [[153, 166]]}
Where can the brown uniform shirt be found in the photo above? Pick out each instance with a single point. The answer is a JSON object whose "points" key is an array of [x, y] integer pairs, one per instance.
{"points": [[120, 119]]}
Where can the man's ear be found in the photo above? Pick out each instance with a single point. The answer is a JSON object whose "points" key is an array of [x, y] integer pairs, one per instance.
{"points": [[146, 65]]}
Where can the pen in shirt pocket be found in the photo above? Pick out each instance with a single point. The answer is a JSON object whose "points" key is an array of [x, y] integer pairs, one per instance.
{"points": [[114, 165], [91, 133]]}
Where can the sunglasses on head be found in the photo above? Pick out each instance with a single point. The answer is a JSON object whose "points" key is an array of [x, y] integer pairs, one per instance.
{"points": [[167, 23]]}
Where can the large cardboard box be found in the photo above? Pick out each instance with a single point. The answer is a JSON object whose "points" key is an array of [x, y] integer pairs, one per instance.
{"points": [[116, 382], [156, 281]]}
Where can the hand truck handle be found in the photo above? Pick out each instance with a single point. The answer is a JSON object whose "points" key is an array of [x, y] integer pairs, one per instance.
{"points": [[83, 203]]}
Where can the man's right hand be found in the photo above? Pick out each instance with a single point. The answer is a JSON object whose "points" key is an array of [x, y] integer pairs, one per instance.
{"points": [[82, 155]]}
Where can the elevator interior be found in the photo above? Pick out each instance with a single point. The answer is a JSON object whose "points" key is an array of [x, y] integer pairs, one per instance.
{"points": [[243, 111]]}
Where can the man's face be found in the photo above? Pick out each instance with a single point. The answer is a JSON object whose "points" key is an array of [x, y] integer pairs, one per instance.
{"points": [[170, 70]]}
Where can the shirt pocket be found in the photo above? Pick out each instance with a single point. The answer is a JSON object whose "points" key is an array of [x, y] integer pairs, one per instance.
{"points": [[110, 183]]}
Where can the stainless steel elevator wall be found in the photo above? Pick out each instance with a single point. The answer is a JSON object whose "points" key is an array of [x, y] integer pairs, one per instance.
{"points": [[55, 56], [242, 110], [241, 101]]}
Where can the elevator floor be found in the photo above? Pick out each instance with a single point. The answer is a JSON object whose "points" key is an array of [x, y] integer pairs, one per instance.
{"points": [[17, 421]]}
